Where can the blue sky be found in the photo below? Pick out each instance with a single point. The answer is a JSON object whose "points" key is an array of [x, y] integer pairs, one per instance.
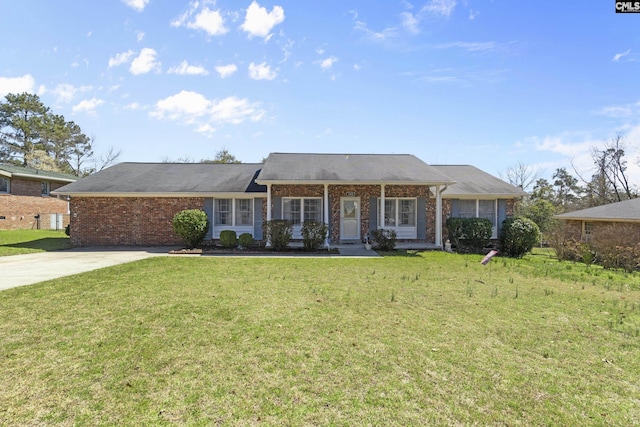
{"points": [[488, 83]]}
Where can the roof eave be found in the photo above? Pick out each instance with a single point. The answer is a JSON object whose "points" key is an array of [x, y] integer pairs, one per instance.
{"points": [[158, 194], [41, 177], [340, 182]]}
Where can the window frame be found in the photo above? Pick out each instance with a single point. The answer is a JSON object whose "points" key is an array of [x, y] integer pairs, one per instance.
{"points": [[45, 188], [232, 211], [396, 221], [302, 212], [8, 186], [494, 220]]}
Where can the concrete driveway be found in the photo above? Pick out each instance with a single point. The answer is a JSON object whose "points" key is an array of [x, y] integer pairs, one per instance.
{"points": [[19, 270]]}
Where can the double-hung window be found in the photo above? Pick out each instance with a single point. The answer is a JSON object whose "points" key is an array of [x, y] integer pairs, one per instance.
{"points": [[233, 212], [44, 188], [398, 212], [475, 208], [298, 210]]}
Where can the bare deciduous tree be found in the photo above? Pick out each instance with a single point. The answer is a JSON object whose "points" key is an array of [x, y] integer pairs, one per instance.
{"points": [[521, 175]]}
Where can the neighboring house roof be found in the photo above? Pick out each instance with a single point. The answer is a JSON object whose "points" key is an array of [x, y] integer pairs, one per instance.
{"points": [[307, 168], [149, 179], [625, 211], [31, 173], [471, 182]]}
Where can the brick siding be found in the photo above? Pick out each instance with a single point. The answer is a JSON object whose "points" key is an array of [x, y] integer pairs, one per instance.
{"points": [[130, 221], [20, 207]]}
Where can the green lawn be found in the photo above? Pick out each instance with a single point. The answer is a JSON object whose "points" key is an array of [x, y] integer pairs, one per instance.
{"points": [[422, 339], [14, 242]]}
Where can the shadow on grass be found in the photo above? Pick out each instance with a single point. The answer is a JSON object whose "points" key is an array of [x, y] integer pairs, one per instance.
{"points": [[46, 244]]}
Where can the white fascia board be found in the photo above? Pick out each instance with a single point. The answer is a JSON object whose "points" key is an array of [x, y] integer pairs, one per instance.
{"points": [[5, 173], [214, 195], [481, 196], [598, 219], [265, 182], [43, 177]]}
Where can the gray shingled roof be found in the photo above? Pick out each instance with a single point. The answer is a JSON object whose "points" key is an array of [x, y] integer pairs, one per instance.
{"points": [[471, 181], [627, 210], [12, 170], [349, 168], [168, 178]]}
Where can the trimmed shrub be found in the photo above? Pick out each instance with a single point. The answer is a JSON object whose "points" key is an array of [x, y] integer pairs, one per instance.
{"points": [[314, 234], [245, 240], [228, 239], [191, 226], [384, 239], [278, 232], [469, 234], [519, 236]]}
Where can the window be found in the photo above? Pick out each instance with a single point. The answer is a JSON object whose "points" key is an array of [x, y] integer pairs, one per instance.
{"points": [[4, 185], [398, 212], [44, 188], [244, 213], [587, 231], [233, 212], [298, 210], [479, 209], [223, 212]]}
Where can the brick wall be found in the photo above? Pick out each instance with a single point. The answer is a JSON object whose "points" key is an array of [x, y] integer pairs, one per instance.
{"points": [[25, 202], [129, 221], [365, 192]]}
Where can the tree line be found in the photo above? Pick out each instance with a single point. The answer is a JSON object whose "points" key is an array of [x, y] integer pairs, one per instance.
{"points": [[32, 135], [608, 182]]}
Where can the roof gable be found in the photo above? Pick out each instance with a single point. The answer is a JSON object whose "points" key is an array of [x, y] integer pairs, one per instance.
{"points": [[32, 173], [165, 178], [626, 210], [306, 168], [471, 181]]}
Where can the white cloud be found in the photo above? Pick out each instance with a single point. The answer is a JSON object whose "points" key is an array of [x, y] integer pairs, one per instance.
{"points": [[627, 110], [205, 19], [261, 72], [194, 109], [133, 106], [185, 69], [470, 46], [226, 70], [357, 67], [440, 7], [327, 63], [65, 92], [145, 62], [25, 83], [618, 56], [139, 36], [376, 36], [138, 5], [410, 22], [120, 58], [88, 106], [259, 23]]}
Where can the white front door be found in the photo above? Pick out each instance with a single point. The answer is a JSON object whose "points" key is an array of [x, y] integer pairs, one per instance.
{"points": [[350, 218]]}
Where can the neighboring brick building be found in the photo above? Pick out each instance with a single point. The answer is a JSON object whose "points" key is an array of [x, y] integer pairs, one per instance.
{"points": [[355, 194], [26, 201]]}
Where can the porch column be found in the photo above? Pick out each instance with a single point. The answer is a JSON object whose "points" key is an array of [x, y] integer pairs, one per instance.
{"points": [[438, 241], [268, 202], [382, 213], [326, 204]]}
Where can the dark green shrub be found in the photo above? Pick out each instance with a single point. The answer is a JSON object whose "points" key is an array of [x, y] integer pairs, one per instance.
{"points": [[228, 239], [519, 236], [469, 234], [384, 239], [245, 240], [314, 234], [278, 232], [191, 226]]}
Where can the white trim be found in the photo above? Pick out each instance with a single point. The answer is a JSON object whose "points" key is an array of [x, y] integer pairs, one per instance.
{"points": [[163, 195], [338, 182], [402, 231], [438, 236], [233, 224]]}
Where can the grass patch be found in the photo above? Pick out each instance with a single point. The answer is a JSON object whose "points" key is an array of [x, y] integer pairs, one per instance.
{"points": [[426, 339], [15, 242]]}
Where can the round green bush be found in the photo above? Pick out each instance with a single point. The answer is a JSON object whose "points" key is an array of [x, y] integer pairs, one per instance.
{"points": [[191, 226], [228, 239], [245, 240], [519, 236]]}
